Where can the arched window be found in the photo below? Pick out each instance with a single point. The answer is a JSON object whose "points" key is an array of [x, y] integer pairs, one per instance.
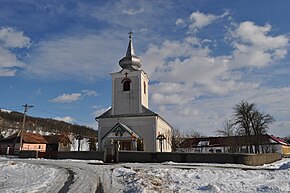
{"points": [[126, 85], [144, 87]]}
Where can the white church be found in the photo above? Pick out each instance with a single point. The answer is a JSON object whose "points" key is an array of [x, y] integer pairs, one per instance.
{"points": [[129, 123]]}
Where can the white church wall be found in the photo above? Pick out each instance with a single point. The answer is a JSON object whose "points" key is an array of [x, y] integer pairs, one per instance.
{"points": [[165, 129], [144, 89], [143, 126]]}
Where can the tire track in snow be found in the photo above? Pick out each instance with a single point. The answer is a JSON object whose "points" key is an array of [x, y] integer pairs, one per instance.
{"points": [[69, 181], [81, 176]]}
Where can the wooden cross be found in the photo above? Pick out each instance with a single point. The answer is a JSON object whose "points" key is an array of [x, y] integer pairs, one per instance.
{"points": [[126, 74]]}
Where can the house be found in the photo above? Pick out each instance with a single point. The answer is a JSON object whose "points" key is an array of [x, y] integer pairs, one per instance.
{"points": [[30, 141], [57, 143], [129, 123], [235, 144]]}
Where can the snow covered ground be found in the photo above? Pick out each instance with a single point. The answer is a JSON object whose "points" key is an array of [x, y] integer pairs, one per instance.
{"points": [[40, 175]]}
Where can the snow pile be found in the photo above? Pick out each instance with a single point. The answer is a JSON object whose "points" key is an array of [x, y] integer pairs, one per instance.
{"points": [[203, 178], [23, 177]]}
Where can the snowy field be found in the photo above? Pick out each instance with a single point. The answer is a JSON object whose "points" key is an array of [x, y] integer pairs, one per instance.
{"points": [[40, 175]]}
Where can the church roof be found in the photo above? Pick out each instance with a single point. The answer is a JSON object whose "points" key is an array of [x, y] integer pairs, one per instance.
{"points": [[145, 112], [130, 61]]}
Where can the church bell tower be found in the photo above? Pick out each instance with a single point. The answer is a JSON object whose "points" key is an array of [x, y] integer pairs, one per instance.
{"points": [[130, 85]]}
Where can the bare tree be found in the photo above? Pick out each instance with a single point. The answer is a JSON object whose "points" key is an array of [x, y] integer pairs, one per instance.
{"points": [[242, 113], [250, 121], [176, 139], [228, 129], [193, 134]]}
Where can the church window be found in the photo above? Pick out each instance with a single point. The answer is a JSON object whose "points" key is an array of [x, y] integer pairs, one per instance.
{"points": [[144, 87], [126, 84]]}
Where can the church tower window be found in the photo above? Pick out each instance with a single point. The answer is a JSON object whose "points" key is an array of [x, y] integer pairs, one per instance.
{"points": [[126, 84], [144, 87]]}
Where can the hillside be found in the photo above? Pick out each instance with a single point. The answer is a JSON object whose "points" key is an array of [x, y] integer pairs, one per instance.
{"points": [[11, 122]]}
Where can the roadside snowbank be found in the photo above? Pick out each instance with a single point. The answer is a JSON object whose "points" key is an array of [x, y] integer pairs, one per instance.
{"points": [[90, 176]]}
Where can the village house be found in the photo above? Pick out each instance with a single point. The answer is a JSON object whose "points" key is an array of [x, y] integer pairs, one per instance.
{"points": [[57, 143], [129, 123], [30, 141], [235, 144]]}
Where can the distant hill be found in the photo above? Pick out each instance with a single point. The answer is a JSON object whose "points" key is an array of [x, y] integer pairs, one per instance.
{"points": [[11, 122]]}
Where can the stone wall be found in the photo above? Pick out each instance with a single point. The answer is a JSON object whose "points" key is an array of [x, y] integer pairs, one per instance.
{"points": [[157, 157], [247, 159]]}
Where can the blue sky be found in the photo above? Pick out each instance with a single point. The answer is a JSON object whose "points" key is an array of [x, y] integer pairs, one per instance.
{"points": [[202, 58]]}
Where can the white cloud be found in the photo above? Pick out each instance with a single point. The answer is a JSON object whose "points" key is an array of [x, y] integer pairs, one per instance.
{"points": [[255, 47], [200, 20], [162, 99], [198, 89], [67, 119], [89, 93], [188, 111], [67, 98], [133, 11], [182, 66], [7, 72], [206, 115], [9, 39], [179, 22], [84, 57]]}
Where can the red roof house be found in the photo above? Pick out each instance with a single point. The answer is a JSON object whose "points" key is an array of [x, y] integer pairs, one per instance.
{"points": [[30, 141]]}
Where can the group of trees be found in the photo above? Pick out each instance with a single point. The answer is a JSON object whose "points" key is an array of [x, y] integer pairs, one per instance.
{"points": [[177, 137], [246, 121]]}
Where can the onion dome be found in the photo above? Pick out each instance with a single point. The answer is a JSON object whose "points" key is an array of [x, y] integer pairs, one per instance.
{"points": [[130, 61]]}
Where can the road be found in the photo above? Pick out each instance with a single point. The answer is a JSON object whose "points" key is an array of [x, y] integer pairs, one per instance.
{"points": [[71, 176]]}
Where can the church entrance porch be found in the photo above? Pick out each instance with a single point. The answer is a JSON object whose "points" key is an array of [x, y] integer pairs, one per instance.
{"points": [[124, 138]]}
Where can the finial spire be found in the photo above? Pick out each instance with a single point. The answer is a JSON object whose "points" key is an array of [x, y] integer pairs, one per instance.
{"points": [[130, 34], [130, 61]]}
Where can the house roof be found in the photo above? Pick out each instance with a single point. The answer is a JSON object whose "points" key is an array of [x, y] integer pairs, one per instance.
{"points": [[279, 140], [27, 138], [230, 141], [53, 139]]}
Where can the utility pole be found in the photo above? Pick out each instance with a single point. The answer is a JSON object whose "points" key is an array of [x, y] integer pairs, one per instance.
{"points": [[26, 107]]}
